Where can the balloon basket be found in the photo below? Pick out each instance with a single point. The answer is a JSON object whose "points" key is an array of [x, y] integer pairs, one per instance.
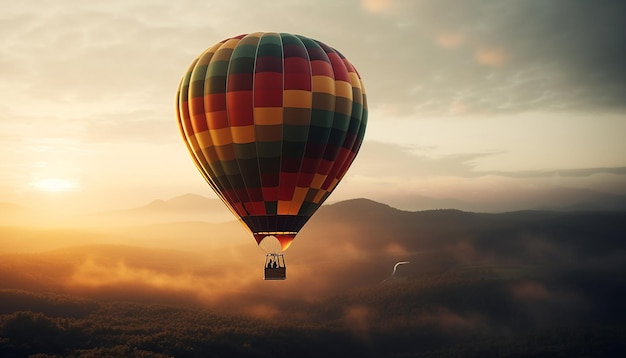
{"points": [[275, 268]]}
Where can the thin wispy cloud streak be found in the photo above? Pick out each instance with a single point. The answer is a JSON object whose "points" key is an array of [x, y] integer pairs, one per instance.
{"points": [[390, 158], [582, 172]]}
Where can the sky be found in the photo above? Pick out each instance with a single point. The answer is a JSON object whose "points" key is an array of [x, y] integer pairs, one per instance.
{"points": [[471, 100]]}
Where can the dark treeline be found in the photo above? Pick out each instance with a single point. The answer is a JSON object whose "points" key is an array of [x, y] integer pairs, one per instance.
{"points": [[468, 313]]}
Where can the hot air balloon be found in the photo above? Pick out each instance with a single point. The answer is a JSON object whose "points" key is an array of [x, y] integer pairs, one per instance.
{"points": [[272, 121]]}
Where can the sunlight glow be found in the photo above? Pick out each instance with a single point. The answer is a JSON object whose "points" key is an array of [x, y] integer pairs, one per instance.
{"points": [[55, 185]]}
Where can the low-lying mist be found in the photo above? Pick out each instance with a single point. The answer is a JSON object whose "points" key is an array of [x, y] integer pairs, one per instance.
{"points": [[512, 283]]}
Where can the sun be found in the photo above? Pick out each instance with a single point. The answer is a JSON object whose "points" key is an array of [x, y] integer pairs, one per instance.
{"points": [[55, 185]]}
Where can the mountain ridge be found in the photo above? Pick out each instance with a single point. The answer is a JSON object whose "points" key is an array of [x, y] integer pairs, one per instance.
{"points": [[195, 207]]}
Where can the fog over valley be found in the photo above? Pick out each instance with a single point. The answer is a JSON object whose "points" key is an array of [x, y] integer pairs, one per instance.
{"points": [[472, 278]]}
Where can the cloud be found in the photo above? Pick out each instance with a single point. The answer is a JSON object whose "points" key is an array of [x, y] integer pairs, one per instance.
{"points": [[377, 6], [578, 172], [126, 55], [121, 47], [494, 57], [94, 73], [449, 40], [359, 319], [382, 159], [95, 275], [396, 250], [449, 320], [410, 178], [572, 51], [378, 159]]}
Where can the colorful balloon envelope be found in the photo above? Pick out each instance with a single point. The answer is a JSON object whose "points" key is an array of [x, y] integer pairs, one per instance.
{"points": [[273, 122]]}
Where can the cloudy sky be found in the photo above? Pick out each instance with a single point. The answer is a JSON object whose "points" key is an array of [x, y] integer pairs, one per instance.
{"points": [[473, 100]]}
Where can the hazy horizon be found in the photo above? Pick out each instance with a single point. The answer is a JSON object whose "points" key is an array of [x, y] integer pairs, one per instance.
{"points": [[192, 207]]}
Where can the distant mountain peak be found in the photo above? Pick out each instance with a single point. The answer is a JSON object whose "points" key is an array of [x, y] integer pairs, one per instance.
{"points": [[188, 196], [157, 204], [361, 203], [183, 202], [192, 201]]}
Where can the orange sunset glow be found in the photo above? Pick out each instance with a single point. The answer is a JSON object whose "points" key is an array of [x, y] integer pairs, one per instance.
{"points": [[483, 215]]}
